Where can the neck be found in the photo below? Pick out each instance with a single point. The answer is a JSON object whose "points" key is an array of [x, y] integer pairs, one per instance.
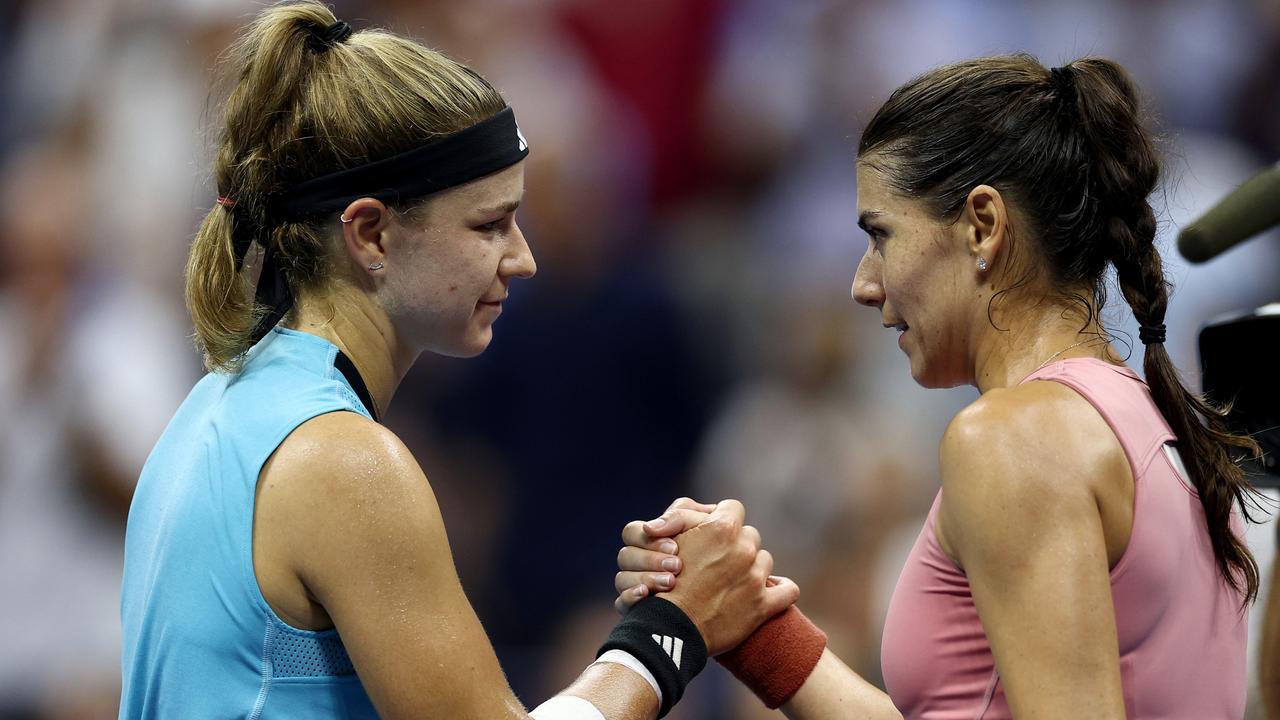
{"points": [[350, 319], [1032, 340]]}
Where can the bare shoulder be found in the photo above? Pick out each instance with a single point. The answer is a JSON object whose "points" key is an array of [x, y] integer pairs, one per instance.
{"points": [[1018, 455], [340, 449], [1026, 422], [344, 488]]}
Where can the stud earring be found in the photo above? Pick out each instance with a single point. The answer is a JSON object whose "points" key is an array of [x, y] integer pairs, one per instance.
{"points": [[375, 266], [982, 264]]}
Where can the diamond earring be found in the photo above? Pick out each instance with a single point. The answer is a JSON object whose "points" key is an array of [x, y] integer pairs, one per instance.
{"points": [[982, 264], [376, 266]]}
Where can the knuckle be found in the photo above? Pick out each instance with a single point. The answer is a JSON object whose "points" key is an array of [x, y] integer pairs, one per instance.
{"points": [[722, 526], [632, 529], [766, 563]]}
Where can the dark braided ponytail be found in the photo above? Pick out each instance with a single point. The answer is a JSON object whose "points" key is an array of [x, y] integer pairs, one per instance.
{"points": [[1124, 153]]}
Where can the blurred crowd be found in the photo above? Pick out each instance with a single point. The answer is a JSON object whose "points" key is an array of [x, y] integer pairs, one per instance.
{"points": [[691, 203]]}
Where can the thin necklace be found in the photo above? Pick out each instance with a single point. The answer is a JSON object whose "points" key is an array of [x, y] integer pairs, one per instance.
{"points": [[1069, 347]]}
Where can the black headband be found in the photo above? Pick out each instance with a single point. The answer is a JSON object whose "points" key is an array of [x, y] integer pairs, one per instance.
{"points": [[482, 149]]}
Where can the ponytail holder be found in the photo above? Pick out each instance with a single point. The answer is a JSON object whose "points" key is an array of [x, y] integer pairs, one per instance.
{"points": [[332, 36], [226, 202], [1063, 81], [1149, 334], [337, 33]]}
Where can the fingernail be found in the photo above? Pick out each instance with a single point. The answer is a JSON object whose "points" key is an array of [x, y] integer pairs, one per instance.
{"points": [[657, 523], [640, 591], [668, 546], [672, 564], [664, 581]]}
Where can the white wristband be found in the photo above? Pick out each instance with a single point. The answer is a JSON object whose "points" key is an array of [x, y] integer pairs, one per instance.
{"points": [[566, 707], [626, 659]]}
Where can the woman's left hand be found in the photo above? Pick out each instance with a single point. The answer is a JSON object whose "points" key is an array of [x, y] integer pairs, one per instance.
{"points": [[649, 560]]}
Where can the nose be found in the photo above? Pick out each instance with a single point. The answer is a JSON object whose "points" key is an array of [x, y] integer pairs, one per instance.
{"points": [[868, 288], [518, 262]]}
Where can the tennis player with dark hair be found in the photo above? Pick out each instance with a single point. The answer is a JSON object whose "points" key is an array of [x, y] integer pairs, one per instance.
{"points": [[285, 556], [1084, 557]]}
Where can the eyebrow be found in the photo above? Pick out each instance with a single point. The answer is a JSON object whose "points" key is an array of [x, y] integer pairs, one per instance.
{"points": [[867, 215], [503, 208]]}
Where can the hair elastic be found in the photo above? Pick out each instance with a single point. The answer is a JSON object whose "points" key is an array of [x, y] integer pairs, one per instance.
{"points": [[1149, 334], [332, 36], [1063, 81]]}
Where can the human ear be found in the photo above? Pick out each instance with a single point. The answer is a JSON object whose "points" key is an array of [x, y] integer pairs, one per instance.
{"points": [[985, 223], [364, 233]]}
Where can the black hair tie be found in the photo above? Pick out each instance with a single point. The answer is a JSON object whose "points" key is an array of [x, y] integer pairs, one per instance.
{"points": [[1149, 334], [332, 36], [1063, 81], [337, 33]]}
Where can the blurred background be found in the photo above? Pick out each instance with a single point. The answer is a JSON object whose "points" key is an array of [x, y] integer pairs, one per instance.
{"points": [[691, 203]]}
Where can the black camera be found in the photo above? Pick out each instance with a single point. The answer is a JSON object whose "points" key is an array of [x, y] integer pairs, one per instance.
{"points": [[1239, 360]]}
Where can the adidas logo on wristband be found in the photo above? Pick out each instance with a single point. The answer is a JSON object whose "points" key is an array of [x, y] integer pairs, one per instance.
{"points": [[672, 646]]}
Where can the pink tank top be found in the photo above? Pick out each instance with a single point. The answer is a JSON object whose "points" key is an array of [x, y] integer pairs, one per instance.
{"points": [[1181, 629]]}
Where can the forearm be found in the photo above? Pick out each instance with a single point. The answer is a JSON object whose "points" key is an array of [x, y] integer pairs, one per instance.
{"points": [[617, 692], [833, 691]]}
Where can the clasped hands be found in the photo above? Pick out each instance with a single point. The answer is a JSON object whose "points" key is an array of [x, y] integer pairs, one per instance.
{"points": [[726, 585]]}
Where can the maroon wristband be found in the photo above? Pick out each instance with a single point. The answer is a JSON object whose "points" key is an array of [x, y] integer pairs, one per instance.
{"points": [[776, 659]]}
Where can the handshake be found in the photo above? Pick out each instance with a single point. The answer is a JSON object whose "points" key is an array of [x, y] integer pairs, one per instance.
{"points": [[696, 582]]}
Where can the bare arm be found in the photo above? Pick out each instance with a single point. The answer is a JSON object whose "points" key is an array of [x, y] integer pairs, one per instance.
{"points": [[834, 692], [1021, 514], [1021, 477], [354, 520], [368, 543]]}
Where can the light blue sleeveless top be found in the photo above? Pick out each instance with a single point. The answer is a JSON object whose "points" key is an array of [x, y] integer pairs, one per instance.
{"points": [[199, 639]]}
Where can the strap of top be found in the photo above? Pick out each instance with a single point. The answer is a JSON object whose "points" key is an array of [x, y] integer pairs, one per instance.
{"points": [[349, 371]]}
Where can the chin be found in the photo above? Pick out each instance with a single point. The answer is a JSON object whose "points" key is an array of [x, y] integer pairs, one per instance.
{"points": [[469, 346], [930, 379], [475, 344]]}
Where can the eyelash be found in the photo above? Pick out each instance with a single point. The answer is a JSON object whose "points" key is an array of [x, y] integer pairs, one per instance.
{"points": [[492, 226]]}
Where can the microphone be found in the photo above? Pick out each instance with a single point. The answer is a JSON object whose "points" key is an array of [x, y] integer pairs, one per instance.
{"points": [[1243, 213]]}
